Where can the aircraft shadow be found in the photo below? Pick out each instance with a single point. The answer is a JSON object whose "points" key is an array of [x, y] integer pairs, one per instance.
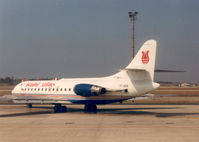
{"points": [[136, 111], [146, 112]]}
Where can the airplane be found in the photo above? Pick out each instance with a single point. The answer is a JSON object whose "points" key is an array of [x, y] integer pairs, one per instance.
{"points": [[133, 81]]}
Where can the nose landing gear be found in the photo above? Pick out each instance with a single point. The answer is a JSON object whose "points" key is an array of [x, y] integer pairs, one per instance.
{"points": [[29, 105]]}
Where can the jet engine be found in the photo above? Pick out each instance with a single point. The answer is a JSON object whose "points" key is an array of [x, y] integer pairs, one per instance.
{"points": [[87, 90]]}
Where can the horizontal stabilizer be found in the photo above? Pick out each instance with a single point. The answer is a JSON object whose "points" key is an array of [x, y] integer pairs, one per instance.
{"points": [[159, 70], [135, 69]]}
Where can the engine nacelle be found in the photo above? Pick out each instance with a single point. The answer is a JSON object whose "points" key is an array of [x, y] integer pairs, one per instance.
{"points": [[87, 90]]}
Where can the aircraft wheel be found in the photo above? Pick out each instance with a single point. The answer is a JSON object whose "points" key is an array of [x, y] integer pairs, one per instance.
{"points": [[29, 105], [63, 109], [58, 108], [90, 108]]}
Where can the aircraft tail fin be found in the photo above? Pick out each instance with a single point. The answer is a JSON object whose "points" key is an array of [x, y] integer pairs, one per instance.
{"points": [[144, 59]]}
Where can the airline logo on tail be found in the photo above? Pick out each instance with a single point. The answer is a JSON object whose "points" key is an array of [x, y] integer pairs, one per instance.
{"points": [[145, 57]]}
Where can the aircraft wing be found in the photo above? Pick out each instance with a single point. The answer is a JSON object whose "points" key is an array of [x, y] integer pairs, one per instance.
{"points": [[7, 98], [39, 101], [25, 101]]}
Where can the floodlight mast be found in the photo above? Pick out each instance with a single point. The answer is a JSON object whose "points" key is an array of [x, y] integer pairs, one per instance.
{"points": [[132, 16]]}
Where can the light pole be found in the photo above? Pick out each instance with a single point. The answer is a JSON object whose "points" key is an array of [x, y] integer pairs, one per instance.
{"points": [[132, 16]]}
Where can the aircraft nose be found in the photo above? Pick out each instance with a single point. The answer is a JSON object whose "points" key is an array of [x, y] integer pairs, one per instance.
{"points": [[156, 85], [13, 90]]}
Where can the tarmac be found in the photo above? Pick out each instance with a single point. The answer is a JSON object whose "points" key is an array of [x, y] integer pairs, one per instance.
{"points": [[111, 123]]}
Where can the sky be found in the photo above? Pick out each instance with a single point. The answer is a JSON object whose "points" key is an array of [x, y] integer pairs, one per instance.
{"points": [[92, 38]]}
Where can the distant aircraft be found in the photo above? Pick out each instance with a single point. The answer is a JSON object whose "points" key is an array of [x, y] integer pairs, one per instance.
{"points": [[133, 81]]}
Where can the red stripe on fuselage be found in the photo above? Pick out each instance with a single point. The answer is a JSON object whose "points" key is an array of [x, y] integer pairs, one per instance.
{"points": [[47, 95]]}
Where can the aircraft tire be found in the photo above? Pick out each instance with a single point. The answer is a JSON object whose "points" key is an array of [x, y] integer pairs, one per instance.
{"points": [[56, 109], [59, 108], [90, 108], [63, 109], [29, 105]]}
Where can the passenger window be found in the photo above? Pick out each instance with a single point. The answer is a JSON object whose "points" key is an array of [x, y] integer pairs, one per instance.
{"points": [[69, 89], [53, 89], [61, 89], [38, 89], [57, 89], [31, 89], [65, 89], [46, 89], [41, 89], [49, 89]]}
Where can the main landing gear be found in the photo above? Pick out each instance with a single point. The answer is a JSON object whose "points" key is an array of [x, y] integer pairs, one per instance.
{"points": [[90, 108], [58, 108]]}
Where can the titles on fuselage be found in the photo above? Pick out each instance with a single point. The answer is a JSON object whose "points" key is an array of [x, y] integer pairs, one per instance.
{"points": [[37, 84]]}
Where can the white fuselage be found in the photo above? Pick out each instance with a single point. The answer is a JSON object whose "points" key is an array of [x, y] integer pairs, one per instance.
{"points": [[63, 90]]}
